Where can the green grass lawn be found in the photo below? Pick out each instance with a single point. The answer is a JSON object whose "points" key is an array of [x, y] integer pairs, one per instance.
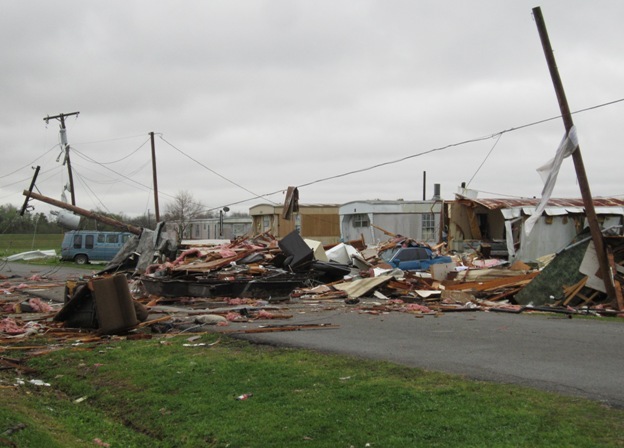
{"points": [[161, 393], [17, 243]]}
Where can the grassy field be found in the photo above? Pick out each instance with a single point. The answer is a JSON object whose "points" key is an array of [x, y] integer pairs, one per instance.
{"points": [[173, 392], [17, 243]]}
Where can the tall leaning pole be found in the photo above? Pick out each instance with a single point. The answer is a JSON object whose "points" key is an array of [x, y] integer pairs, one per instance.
{"points": [[579, 166]]}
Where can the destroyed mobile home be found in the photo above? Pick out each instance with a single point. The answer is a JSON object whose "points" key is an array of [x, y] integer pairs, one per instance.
{"points": [[152, 286]]}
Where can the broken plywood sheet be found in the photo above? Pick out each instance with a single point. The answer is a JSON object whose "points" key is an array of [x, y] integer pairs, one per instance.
{"points": [[361, 287], [204, 266], [427, 293], [483, 275], [493, 284]]}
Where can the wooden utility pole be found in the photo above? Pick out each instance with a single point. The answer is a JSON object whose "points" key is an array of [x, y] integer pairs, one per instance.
{"points": [[30, 189], [81, 211], [579, 166], [156, 209], [65, 145]]}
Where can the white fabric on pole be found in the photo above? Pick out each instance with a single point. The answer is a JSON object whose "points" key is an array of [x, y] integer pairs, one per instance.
{"points": [[549, 172]]}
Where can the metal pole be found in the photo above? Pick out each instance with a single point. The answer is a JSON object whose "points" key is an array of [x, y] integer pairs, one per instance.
{"points": [[579, 166], [156, 209]]}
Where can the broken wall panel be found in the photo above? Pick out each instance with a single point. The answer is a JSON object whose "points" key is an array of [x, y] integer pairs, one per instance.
{"points": [[562, 271]]}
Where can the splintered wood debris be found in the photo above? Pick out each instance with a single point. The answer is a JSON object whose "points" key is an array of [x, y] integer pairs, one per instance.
{"points": [[367, 285]]}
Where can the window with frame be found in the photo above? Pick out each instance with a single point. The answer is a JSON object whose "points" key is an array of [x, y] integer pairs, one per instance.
{"points": [[360, 220], [89, 239], [428, 227]]}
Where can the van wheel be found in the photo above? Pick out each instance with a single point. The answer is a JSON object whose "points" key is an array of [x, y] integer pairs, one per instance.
{"points": [[81, 259]]}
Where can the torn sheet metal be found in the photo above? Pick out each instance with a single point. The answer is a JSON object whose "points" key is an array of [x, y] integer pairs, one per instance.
{"points": [[32, 255], [549, 172]]}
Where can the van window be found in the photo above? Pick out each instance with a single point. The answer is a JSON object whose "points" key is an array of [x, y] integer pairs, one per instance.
{"points": [[101, 238], [89, 241], [112, 238], [77, 241]]}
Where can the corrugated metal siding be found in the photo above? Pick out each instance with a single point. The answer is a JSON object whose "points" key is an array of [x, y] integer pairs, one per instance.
{"points": [[494, 204]]}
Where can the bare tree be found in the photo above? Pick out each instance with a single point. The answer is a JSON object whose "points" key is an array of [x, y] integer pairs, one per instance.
{"points": [[182, 210]]}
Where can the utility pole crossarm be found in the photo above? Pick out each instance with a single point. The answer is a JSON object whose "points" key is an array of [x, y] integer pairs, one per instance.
{"points": [[59, 116]]}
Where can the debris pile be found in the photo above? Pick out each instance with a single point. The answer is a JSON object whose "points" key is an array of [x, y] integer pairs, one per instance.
{"points": [[260, 279], [259, 267]]}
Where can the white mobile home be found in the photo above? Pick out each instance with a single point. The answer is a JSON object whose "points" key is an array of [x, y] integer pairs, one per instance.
{"points": [[420, 220]]}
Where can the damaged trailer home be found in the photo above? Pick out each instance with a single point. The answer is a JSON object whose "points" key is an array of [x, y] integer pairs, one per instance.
{"points": [[498, 224], [319, 222], [222, 227], [419, 220]]}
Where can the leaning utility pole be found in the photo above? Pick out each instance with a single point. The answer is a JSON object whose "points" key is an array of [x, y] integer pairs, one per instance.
{"points": [[156, 209], [579, 166], [83, 212], [65, 146]]}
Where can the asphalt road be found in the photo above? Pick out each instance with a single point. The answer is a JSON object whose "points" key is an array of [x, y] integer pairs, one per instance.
{"points": [[579, 357]]}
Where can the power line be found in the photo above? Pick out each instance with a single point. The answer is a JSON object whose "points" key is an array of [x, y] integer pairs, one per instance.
{"points": [[486, 157], [89, 189], [29, 164], [111, 140], [257, 196], [118, 174], [123, 158], [441, 148]]}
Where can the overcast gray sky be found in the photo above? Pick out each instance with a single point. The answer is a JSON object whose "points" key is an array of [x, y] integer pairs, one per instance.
{"points": [[249, 97]]}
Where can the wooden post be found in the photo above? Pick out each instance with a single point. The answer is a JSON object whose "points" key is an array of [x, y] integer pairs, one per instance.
{"points": [[579, 166], [30, 189], [156, 208], [81, 211]]}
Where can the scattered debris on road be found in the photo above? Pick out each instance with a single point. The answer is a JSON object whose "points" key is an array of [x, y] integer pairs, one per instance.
{"points": [[248, 281]]}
